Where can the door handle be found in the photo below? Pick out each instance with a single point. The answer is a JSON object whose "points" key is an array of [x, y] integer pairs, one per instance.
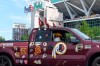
{"points": [[78, 47]]}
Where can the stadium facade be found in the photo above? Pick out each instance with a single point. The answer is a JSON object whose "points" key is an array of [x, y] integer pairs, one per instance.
{"points": [[75, 11]]}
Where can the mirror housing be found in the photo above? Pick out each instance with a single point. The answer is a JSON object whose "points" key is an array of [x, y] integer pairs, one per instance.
{"points": [[74, 40]]}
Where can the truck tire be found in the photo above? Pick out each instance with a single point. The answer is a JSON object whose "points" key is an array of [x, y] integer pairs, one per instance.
{"points": [[5, 61], [96, 61]]}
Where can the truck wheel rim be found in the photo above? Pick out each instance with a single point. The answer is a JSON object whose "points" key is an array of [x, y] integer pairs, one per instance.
{"points": [[98, 62], [4, 61]]}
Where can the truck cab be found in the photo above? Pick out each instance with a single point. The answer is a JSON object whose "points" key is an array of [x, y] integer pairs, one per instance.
{"points": [[51, 47]]}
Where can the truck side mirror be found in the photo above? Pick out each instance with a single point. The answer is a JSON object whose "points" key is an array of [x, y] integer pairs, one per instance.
{"points": [[74, 40]]}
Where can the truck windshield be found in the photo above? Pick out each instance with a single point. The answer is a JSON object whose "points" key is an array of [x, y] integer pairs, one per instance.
{"points": [[82, 35]]}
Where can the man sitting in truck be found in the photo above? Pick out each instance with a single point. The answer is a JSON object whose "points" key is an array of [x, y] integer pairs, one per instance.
{"points": [[57, 37]]}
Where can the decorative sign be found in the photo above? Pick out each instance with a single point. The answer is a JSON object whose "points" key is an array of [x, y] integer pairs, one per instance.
{"points": [[23, 51], [6, 44], [31, 55], [44, 44], [60, 48], [44, 55], [21, 61], [23, 56], [17, 60], [88, 47], [31, 44], [80, 47], [31, 50], [17, 54], [37, 50], [17, 49], [37, 61], [37, 43], [44, 49], [98, 46], [25, 61]]}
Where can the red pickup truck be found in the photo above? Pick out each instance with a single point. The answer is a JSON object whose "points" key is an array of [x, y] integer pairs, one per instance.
{"points": [[52, 47]]}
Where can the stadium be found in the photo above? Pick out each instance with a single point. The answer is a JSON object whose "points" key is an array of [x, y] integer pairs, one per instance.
{"points": [[75, 11]]}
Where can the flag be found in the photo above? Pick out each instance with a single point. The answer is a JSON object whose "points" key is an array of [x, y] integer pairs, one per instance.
{"points": [[26, 10], [31, 8]]}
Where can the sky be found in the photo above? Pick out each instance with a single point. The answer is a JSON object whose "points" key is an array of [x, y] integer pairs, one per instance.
{"points": [[11, 11]]}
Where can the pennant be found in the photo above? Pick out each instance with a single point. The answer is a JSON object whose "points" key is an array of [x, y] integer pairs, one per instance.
{"points": [[40, 23], [45, 21], [54, 25], [59, 24], [47, 25]]}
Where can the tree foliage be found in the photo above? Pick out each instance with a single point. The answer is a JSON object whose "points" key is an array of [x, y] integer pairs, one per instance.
{"points": [[2, 39], [96, 32], [25, 37], [93, 32], [77, 26], [86, 29]]}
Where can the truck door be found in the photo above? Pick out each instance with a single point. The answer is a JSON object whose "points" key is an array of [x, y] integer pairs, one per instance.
{"points": [[39, 49], [66, 53]]}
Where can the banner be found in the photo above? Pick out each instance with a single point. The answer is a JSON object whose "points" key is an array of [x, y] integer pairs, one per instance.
{"points": [[38, 5]]}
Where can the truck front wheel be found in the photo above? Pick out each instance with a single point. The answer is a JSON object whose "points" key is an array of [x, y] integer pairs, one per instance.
{"points": [[96, 62], [5, 61]]}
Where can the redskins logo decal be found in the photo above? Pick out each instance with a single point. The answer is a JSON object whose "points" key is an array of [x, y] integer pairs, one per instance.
{"points": [[44, 44], [60, 49], [37, 50]]}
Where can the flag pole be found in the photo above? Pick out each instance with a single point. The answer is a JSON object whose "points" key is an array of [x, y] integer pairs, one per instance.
{"points": [[45, 26]]}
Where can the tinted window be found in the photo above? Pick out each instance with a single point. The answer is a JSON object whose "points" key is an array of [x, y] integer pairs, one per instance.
{"points": [[43, 36], [82, 35]]}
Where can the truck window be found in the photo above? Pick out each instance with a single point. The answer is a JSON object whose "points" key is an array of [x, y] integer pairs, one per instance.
{"points": [[67, 37], [58, 35], [82, 35], [43, 36], [62, 36]]}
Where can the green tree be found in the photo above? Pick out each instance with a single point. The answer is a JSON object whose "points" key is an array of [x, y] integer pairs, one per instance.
{"points": [[2, 39], [25, 37], [96, 31], [77, 26], [86, 29]]}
